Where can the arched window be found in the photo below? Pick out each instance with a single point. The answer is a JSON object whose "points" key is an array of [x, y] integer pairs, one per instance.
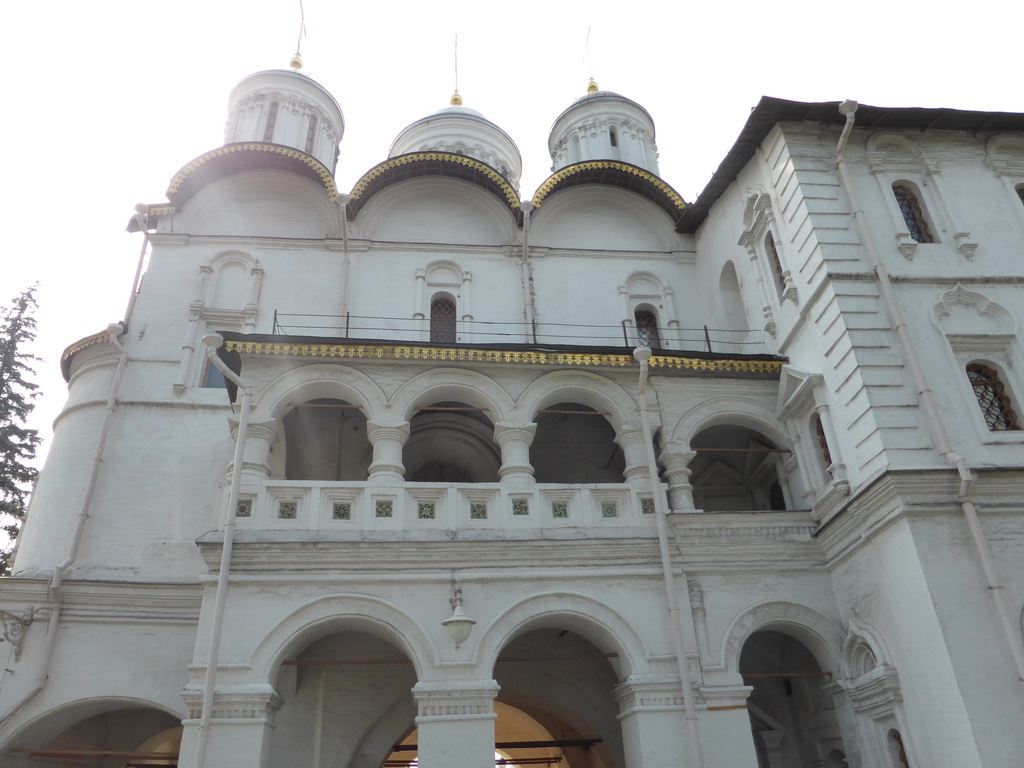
{"points": [[310, 134], [613, 137], [992, 398], [912, 212], [647, 328], [776, 264], [442, 320], [268, 131], [1020, 192], [819, 433]]}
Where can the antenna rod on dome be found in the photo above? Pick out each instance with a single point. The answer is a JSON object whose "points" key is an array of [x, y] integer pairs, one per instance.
{"points": [[297, 58], [587, 59], [456, 62]]}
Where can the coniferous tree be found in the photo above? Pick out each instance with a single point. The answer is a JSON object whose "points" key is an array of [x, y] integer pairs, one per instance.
{"points": [[17, 442]]}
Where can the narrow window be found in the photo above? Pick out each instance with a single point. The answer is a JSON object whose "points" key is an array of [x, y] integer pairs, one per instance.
{"points": [[992, 398], [268, 132], [213, 378], [776, 264], [647, 328], [310, 134], [442, 320], [910, 207], [1020, 192], [613, 136], [819, 432]]}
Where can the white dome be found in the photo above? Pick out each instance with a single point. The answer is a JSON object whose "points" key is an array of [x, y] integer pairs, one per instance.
{"points": [[603, 125], [462, 131]]}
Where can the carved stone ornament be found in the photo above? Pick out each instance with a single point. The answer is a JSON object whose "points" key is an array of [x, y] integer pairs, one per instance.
{"points": [[15, 625]]}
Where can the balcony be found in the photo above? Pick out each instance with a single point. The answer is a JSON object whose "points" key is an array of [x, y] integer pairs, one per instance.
{"points": [[445, 511]]}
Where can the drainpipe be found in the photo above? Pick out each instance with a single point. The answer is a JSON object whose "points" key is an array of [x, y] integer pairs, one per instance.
{"points": [[56, 594], [346, 265], [642, 355], [526, 274], [931, 410], [212, 342]]}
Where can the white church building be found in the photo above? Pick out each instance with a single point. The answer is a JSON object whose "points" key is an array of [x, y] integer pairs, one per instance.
{"points": [[435, 473]]}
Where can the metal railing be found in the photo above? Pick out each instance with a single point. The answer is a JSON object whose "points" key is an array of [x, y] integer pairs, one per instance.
{"points": [[416, 330]]}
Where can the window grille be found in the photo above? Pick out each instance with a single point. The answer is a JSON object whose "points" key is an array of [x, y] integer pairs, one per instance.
{"points": [[992, 398], [910, 207], [647, 328], [268, 132], [773, 257], [310, 134], [442, 321], [819, 431]]}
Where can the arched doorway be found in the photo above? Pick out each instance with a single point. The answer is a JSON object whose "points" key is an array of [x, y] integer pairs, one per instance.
{"points": [[347, 701], [450, 442], [125, 736], [792, 717], [735, 470]]}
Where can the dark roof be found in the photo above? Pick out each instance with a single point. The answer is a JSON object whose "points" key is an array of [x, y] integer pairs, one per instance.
{"points": [[770, 112]]}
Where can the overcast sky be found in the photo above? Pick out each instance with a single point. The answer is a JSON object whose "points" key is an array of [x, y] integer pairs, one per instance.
{"points": [[104, 101]]}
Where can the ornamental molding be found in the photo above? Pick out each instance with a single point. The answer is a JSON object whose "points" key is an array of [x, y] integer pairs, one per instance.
{"points": [[455, 700], [15, 626], [259, 703], [348, 351], [558, 177]]}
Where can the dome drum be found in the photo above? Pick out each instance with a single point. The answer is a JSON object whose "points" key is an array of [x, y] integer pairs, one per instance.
{"points": [[286, 108], [604, 126], [462, 131]]}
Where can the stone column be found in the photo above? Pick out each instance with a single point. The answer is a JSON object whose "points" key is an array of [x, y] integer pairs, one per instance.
{"points": [[258, 438], [387, 441], [515, 452], [652, 717], [773, 748], [676, 461], [241, 726], [635, 453], [456, 723]]}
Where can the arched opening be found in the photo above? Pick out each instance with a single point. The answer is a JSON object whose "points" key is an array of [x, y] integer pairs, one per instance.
{"points": [[325, 439], [450, 442], [735, 470], [575, 444], [554, 681], [793, 719], [347, 700], [132, 736], [268, 130]]}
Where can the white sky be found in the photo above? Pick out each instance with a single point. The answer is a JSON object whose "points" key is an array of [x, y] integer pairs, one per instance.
{"points": [[104, 101]]}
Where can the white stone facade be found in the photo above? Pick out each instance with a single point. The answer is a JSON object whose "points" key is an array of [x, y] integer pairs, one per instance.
{"points": [[438, 386]]}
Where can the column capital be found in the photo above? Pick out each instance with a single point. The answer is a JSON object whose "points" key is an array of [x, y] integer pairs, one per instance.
{"points": [[504, 432], [258, 702], [456, 700]]}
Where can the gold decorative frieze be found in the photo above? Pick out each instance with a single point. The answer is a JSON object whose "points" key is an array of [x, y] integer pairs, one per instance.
{"points": [[446, 157], [319, 168], [598, 165], [88, 341], [514, 357]]}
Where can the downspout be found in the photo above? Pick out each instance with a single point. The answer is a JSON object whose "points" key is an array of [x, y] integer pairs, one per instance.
{"points": [[56, 593], [526, 275], [642, 355], [931, 410], [212, 342], [346, 264]]}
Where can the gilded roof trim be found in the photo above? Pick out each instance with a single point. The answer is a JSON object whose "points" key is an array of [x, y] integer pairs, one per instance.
{"points": [[559, 177], [511, 197], [318, 168], [78, 346], [513, 357]]}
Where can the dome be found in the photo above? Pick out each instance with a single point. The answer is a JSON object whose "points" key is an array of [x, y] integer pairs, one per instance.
{"points": [[603, 125], [460, 130], [287, 108]]}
